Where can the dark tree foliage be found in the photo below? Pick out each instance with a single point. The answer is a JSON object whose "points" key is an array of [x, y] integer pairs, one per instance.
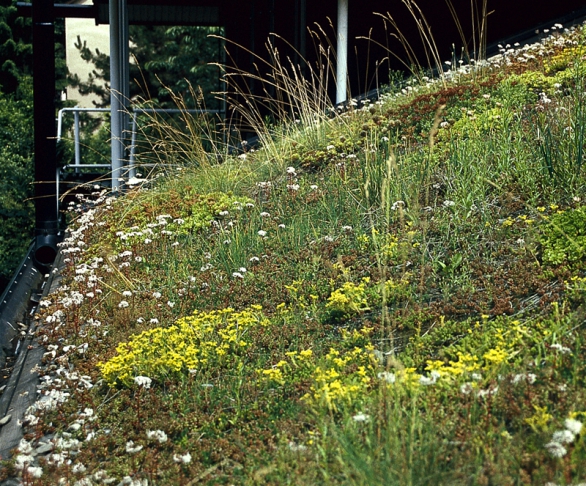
{"points": [[16, 133], [15, 47], [164, 58]]}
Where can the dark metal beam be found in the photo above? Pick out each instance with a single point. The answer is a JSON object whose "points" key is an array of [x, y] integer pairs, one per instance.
{"points": [[61, 10]]}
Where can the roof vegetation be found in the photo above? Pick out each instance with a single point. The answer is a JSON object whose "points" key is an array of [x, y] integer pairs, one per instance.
{"points": [[389, 293]]}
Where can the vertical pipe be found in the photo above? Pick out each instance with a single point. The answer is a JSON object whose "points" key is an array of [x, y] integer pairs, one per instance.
{"points": [[76, 140], [119, 86], [46, 203], [115, 93], [125, 77], [342, 52]]}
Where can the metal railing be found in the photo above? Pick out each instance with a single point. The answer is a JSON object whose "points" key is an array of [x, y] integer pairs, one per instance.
{"points": [[130, 164]]}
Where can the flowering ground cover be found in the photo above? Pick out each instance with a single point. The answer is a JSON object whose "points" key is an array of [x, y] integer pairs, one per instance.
{"points": [[390, 294]]}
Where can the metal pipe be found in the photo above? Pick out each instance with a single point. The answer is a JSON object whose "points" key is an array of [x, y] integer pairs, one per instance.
{"points": [[117, 149], [46, 204], [76, 140], [125, 72], [342, 52]]}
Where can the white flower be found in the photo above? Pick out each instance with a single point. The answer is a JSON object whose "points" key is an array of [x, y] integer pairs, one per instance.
{"points": [[133, 181], [127, 480], [282, 226], [428, 380], [313, 187], [237, 275], [466, 388], [573, 426], [242, 270], [397, 204], [127, 293], [386, 376], [22, 460], [158, 435], [157, 295], [264, 214], [143, 381], [449, 204], [170, 304], [556, 449], [291, 170], [293, 187], [24, 446], [488, 392], [223, 213], [347, 228], [182, 459], [561, 349], [262, 233], [330, 147], [293, 446], [361, 417], [254, 259], [78, 468], [131, 448], [123, 304], [34, 471], [563, 436], [87, 412], [518, 378], [154, 320]]}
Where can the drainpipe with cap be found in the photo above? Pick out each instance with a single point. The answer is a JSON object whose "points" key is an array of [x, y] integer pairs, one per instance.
{"points": [[342, 52], [46, 204]]}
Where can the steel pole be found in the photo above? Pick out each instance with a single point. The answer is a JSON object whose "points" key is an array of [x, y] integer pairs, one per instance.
{"points": [[118, 85], [342, 52]]}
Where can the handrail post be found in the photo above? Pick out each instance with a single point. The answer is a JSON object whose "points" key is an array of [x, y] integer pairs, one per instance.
{"points": [[76, 141], [131, 158]]}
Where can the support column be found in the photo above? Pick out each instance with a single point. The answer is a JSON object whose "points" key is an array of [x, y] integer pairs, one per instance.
{"points": [[119, 87], [46, 203], [342, 52]]}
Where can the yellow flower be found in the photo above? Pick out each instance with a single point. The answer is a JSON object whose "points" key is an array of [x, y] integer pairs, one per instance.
{"points": [[495, 356]]}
